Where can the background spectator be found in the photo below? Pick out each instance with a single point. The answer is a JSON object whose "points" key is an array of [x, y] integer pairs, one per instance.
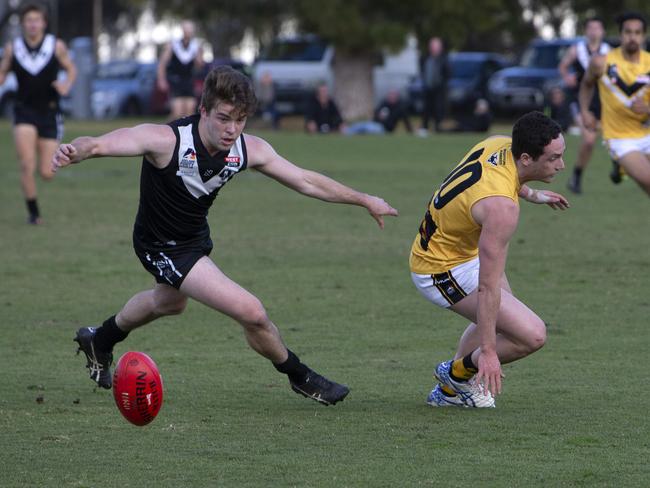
{"points": [[478, 121], [387, 115], [435, 74], [322, 114], [266, 100], [559, 109]]}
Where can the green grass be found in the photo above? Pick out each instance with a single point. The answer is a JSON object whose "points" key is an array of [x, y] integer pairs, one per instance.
{"points": [[573, 414]]}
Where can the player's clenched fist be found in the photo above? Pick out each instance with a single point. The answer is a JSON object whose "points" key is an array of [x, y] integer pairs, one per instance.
{"points": [[64, 156]]}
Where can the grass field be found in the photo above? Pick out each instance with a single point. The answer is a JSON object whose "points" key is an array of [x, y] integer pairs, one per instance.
{"points": [[573, 414]]}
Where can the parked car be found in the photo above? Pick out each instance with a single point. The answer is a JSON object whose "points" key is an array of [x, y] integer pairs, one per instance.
{"points": [[470, 72], [525, 87], [123, 88], [298, 65]]}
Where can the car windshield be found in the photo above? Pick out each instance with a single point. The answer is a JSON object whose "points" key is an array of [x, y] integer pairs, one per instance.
{"points": [[117, 70], [295, 50], [543, 56], [464, 68]]}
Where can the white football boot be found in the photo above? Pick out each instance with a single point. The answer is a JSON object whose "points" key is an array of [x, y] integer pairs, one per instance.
{"points": [[470, 392]]}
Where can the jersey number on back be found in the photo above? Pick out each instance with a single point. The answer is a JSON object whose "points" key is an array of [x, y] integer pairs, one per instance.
{"points": [[472, 167]]}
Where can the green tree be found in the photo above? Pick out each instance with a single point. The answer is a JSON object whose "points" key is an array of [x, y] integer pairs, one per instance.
{"points": [[225, 22]]}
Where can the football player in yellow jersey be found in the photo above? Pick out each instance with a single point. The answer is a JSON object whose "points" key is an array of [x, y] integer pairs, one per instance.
{"points": [[623, 78], [458, 258]]}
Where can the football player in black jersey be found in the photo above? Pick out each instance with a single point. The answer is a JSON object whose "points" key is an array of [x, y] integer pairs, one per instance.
{"points": [[36, 59], [176, 68], [572, 67], [184, 165]]}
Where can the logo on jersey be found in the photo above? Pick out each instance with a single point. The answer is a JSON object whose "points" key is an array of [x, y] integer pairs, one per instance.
{"points": [[232, 161], [187, 165], [612, 73], [498, 158]]}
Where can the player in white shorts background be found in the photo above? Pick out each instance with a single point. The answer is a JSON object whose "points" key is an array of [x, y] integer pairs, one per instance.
{"points": [[623, 79]]}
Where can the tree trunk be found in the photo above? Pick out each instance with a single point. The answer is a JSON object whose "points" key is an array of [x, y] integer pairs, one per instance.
{"points": [[353, 86]]}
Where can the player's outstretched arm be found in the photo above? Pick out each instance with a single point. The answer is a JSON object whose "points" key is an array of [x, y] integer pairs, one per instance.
{"points": [[498, 217], [550, 198], [154, 141], [264, 158]]}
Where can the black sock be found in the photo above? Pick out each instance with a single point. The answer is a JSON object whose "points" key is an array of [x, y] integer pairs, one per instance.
{"points": [[293, 368], [32, 208], [469, 364], [108, 335], [577, 172]]}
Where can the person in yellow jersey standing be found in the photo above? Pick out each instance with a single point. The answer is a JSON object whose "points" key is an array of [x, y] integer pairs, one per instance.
{"points": [[623, 79], [458, 257]]}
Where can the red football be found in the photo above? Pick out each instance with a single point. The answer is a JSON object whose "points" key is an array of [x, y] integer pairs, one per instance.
{"points": [[137, 388]]}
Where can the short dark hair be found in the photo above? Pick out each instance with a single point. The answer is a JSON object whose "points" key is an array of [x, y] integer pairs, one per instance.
{"points": [[33, 7], [630, 15], [594, 18], [532, 133], [224, 84]]}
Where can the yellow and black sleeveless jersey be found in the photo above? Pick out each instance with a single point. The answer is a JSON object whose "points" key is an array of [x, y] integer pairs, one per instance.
{"points": [[448, 234], [621, 83]]}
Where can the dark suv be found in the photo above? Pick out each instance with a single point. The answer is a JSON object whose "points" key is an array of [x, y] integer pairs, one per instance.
{"points": [[524, 87]]}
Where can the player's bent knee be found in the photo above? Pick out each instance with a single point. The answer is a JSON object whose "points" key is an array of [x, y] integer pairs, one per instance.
{"points": [[537, 338], [254, 316]]}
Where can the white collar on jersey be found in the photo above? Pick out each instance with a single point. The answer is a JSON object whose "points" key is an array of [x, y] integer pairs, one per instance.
{"points": [[35, 61], [583, 54], [185, 54]]}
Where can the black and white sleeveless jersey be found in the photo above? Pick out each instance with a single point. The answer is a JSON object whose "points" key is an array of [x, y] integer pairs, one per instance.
{"points": [[181, 63], [174, 201], [583, 57], [36, 69]]}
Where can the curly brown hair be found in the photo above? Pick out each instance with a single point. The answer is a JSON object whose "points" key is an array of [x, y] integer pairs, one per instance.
{"points": [[224, 84]]}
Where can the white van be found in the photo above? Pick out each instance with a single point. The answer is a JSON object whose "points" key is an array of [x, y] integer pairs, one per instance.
{"points": [[298, 64]]}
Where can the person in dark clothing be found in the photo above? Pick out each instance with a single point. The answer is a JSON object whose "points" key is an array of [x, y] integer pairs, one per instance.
{"points": [[176, 68], [36, 58], [479, 120], [387, 115], [435, 74], [184, 166], [559, 109], [391, 111], [322, 114]]}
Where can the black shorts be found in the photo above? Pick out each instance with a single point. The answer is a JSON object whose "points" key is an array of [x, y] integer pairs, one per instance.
{"points": [[171, 264], [594, 106], [181, 86], [48, 123]]}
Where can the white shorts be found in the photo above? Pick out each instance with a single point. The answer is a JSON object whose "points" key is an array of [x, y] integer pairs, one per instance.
{"points": [[620, 147], [445, 289]]}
